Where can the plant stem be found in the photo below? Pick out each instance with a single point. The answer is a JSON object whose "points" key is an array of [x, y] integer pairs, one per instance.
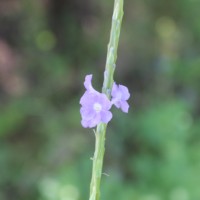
{"points": [[107, 86]]}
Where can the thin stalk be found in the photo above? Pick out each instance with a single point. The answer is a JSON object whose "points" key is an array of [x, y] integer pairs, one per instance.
{"points": [[100, 132]]}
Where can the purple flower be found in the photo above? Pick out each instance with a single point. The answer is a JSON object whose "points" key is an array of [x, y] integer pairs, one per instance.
{"points": [[95, 106], [120, 95]]}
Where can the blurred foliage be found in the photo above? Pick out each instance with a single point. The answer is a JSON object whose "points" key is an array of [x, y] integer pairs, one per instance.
{"points": [[46, 49]]}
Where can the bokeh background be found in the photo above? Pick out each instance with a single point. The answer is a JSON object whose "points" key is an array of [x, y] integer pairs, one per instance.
{"points": [[46, 49]]}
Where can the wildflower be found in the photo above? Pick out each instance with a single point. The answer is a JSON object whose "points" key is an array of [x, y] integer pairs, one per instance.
{"points": [[120, 95], [95, 106]]}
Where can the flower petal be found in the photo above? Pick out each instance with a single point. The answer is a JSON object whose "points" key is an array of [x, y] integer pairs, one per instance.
{"points": [[84, 123], [116, 102], [125, 93], [88, 84], [89, 98], [95, 121], [84, 98], [106, 116], [104, 101], [114, 90], [124, 106], [87, 114]]}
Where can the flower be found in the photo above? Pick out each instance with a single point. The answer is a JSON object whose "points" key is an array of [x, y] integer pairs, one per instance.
{"points": [[120, 95], [94, 106]]}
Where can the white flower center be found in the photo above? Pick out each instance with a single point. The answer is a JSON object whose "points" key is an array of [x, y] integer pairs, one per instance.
{"points": [[97, 107]]}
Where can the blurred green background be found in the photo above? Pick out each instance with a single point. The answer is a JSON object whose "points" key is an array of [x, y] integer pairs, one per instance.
{"points": [[46, 49]]}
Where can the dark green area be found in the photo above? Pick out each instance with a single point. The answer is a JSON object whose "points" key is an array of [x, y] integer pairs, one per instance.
{"points": [[47, 48]]}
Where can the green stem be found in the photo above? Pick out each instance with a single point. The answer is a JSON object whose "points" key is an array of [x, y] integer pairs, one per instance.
{"points": [[107, 86]]}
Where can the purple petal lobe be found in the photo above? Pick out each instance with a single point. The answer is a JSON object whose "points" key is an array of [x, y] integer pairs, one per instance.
{"points": [[116, 103], [84, 123], [88, 84], [106, 116], [95, 121], [105, 102], [124, 91], [87, 114], [84, 98], [124, 106], [114, 90]]}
